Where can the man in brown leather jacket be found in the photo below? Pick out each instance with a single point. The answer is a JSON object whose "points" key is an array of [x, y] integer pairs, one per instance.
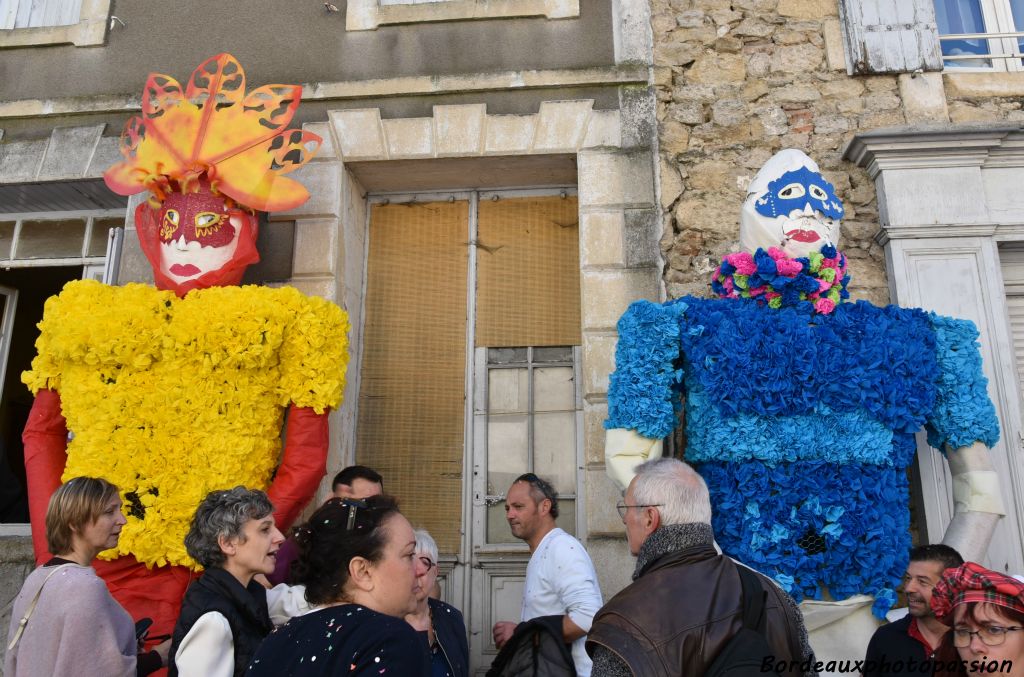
{"points": [[685, 600]]}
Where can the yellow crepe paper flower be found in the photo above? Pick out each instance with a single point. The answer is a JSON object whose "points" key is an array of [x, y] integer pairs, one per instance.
{"points": [[172, 398]]}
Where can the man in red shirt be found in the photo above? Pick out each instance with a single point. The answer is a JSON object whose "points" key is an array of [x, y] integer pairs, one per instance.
{"points": [[902, 646]]}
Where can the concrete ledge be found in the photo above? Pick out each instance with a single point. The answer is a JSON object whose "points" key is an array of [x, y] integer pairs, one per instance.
{"points": [[323, 181], [467, 131], [971, 85], [556, 78], [69, 152], [16, 550], [360, 134], [561, 125], [509, 134], [459, 130], [365, 15], [409, 138]]}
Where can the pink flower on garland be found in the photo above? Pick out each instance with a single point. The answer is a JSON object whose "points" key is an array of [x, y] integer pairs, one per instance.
{"points": [[788, 267], [824, 306], [743, 262]]}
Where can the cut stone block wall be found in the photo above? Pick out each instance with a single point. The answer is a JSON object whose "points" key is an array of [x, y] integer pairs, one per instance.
{"points": [[736, 82]]}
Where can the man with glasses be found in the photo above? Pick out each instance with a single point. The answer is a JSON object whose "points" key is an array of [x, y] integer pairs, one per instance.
{"points": [[685, 603], [560, 578], [904, 646]]}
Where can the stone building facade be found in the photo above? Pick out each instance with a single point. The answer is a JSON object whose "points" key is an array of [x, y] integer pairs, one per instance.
{"points": [[652, 115], [484, 113]]}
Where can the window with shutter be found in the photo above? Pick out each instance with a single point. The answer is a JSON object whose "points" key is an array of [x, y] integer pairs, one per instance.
{"points": [[981, 34], [890, 36], [362, 15], [53, 22]]}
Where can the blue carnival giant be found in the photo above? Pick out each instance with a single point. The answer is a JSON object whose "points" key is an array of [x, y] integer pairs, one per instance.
{"points": [[801, 409]]}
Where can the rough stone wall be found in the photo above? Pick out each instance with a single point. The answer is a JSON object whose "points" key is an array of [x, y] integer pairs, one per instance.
{"points": [[16, 563], [738, 80]]}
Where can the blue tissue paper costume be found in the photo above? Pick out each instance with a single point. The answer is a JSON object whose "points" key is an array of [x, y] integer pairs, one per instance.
{"points": [[803, 424]]}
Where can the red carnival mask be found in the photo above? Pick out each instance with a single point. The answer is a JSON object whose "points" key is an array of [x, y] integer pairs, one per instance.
{"points": [[195, 240], [211, 155]]}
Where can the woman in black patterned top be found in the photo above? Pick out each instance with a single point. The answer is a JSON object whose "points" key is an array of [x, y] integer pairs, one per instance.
{"points": [[357, 561]]}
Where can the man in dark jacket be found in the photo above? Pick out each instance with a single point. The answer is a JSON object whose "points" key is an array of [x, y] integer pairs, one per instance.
{"points": [[904, 646], [685, 602]]}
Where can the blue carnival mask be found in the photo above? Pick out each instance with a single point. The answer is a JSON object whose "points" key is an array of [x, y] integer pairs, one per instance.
{"points": [[796, 189]]}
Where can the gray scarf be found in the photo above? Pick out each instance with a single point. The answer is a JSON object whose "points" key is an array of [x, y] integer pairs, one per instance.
{"points": [[672, 538]]}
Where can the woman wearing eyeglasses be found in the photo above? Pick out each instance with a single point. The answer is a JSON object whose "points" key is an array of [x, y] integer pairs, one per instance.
{"points": [[442, 623], [986, 611], [358, 562]]}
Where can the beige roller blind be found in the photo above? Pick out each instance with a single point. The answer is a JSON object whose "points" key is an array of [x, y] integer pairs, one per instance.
{"points": [[528, 289], [412, 392]]}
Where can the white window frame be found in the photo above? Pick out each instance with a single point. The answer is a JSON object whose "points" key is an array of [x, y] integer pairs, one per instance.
{"points": [[89, 30], [1002, 36], [481, 497], [367, 15], [84, 259]]}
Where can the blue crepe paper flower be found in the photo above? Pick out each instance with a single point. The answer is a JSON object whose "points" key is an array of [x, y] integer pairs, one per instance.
{"points": [[841, 526], [963, 412]]}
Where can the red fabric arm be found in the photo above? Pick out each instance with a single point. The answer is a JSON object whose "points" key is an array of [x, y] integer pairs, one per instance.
{"points": [[46, 453], [303, 466]]}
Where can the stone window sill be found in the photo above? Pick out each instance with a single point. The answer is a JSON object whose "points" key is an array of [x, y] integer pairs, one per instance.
{"points": [[367, 15], [967, 85]]}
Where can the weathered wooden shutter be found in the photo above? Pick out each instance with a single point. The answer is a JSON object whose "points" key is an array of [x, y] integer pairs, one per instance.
{"points": [[37, 13], [890, 36]]}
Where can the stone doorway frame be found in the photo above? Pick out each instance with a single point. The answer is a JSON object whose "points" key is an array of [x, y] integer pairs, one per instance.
{"points": [[620, 225]]}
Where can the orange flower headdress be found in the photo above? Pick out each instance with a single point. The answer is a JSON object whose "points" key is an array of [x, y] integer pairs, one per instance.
{"points": [[223, 152]]}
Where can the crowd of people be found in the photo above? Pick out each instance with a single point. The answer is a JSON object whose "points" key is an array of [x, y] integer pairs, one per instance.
{"points": [[355, 591]]}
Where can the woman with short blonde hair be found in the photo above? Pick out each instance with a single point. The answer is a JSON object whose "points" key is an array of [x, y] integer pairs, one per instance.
{"points": [[64, 620]]}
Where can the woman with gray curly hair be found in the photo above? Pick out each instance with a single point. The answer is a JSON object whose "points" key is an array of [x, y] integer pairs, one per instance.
{"points": [[225, 614]]}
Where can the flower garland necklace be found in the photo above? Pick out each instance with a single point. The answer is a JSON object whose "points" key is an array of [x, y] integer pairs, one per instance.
{"points": [[776, 280]]}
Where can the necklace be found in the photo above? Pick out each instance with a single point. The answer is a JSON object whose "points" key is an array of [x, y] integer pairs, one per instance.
{"points": [[774, 279]]}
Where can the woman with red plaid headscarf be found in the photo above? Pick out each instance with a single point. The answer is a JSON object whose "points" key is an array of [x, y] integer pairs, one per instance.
{"points": [[986, 611]]}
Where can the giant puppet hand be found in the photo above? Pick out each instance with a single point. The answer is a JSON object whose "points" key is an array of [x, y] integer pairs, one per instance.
{"points": [[624, 450], [977, 499]]}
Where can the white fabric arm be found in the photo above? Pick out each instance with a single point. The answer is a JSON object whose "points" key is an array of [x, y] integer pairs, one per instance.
{"points": [[207, 650], [978, 501], [286, 601], [624, 450]]}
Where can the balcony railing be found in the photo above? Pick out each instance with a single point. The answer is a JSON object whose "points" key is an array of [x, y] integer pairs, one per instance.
{"points": [[1015, 53]]}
